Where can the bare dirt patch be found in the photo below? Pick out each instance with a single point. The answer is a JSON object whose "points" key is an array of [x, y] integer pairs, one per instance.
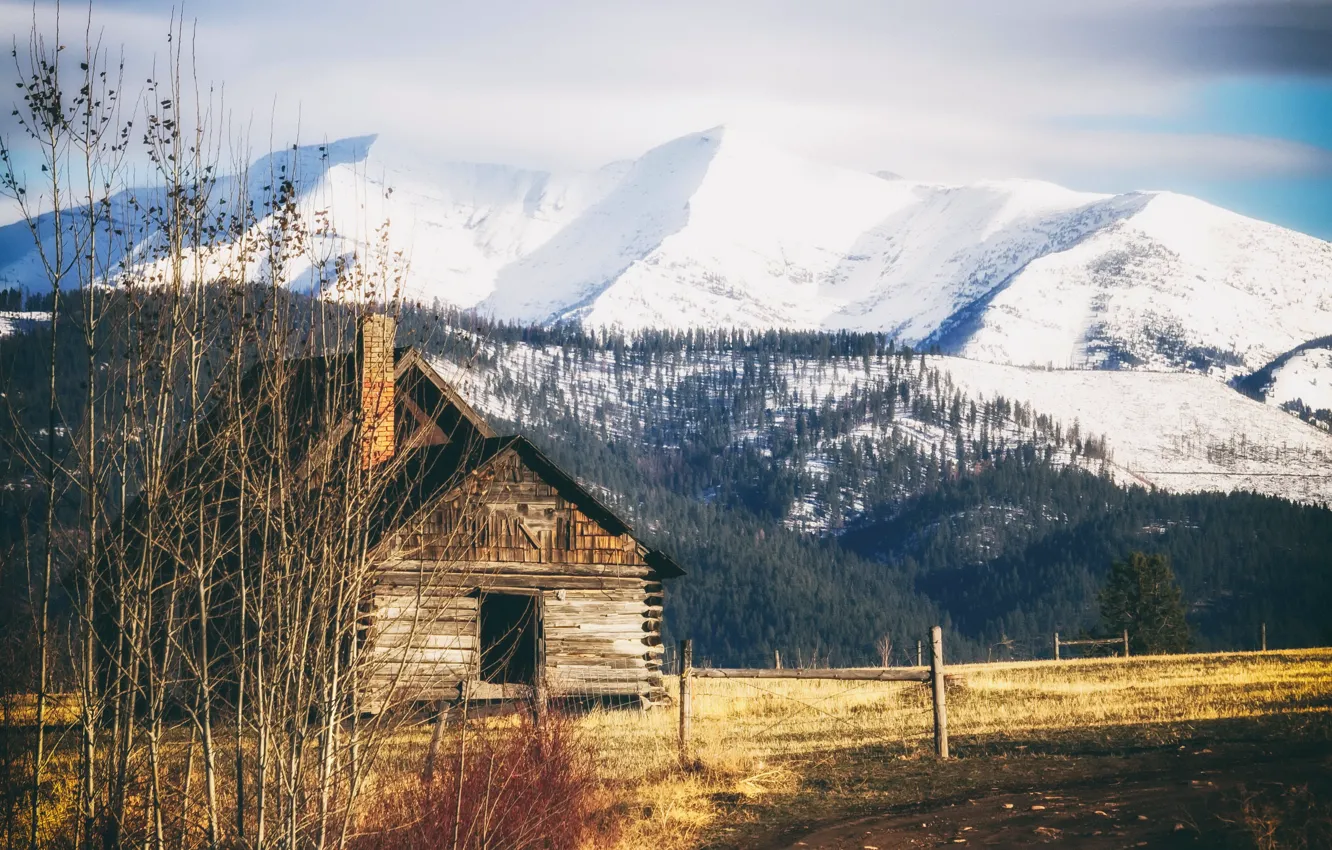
{"points": [[1196, 798]]}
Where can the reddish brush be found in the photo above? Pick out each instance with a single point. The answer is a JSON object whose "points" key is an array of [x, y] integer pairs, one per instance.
{"points": [[532, 786]]}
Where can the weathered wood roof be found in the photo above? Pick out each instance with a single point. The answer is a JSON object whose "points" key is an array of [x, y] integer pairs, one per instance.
{"points": [[317, 415], [409, 357]]}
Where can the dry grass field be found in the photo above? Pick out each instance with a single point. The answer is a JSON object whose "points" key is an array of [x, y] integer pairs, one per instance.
{"points": [[774, 758], [778, 754]]}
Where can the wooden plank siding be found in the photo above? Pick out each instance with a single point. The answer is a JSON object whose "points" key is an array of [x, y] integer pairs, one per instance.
{"points": [[506, 529]]}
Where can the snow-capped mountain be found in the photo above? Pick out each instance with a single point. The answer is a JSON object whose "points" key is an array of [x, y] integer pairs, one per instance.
{"points": [[1178, 432], [715, 228]]}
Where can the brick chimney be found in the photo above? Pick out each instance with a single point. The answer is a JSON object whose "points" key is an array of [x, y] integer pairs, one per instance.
{"points": [[374, 354]]}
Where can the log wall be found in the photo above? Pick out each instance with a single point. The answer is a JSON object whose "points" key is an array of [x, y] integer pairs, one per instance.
{"points": [[508, 530]]}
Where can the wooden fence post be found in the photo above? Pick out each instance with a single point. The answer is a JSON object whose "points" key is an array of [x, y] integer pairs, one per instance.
{"points": [[1126, 650], [1056, 645], [777, 658], [540, 700], [1264, 636], [686, 698], [937, 686], [436, 739], [920, 659]]}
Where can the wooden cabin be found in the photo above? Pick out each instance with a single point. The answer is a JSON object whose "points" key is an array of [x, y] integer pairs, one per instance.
{"points": [[502, 572], [481, 569]]}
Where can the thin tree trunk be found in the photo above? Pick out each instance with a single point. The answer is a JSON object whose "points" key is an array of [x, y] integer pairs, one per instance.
{"points": [[185, 790], [48, 561]]}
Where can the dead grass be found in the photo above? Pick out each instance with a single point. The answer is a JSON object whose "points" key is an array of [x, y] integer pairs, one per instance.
{"points": [[760, 745], [774, 755], [61, 709], [1286, 818]]}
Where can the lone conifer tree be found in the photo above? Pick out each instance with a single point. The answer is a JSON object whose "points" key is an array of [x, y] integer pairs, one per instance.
{"points": [[1142, 596]]}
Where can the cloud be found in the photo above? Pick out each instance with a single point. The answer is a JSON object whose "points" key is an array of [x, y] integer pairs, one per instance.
{"points": [[944, 91], [1241, 37]]}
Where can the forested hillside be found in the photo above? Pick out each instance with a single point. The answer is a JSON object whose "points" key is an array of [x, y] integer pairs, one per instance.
{"points": [[998, 517], [822, 490], [1019, 551]]}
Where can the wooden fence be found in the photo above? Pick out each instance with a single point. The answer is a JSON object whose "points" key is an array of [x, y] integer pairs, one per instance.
{"points": [[933, 676], [1114, 641]]}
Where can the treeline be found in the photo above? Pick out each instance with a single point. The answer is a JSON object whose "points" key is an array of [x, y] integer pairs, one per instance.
{"points": [[1321, 417], [1021, 549], [648, 342], [812, 438], [824, 489], [983, 512]]}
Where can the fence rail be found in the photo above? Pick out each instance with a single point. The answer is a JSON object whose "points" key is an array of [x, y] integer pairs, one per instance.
{"points": [[751, 714], [1114, 641], [840, 674], [933, 676]]}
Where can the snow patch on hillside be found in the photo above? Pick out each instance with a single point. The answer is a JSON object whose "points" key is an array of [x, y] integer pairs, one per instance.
{"points": [[17, 321], [1177, 431], [1180, 432], [1305, 376]]}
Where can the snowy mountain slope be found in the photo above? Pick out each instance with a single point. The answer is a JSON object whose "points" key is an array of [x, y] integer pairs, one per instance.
{"points": [[1177, 431], [716, 228], [130, 233], [668, 399], [1305, 376], [1180, 432], [933, 261], [1008, 271], [607, 238], [755, 239], [463, 226], [1180, 282], [1013, 271]]}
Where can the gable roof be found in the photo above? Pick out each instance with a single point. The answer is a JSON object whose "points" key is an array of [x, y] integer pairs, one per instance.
{"points": [[317, 422], [409, 357]]}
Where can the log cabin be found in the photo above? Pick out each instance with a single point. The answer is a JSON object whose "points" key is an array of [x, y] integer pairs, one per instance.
{"points": [[500, 573], [483, 570]]}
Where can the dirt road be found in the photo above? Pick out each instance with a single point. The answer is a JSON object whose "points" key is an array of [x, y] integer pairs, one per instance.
{"points": [[1197, 799]]}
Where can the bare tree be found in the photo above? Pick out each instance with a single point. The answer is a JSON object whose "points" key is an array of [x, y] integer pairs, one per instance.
{"points": [[884, 646], [230, 528], [67, 116]]}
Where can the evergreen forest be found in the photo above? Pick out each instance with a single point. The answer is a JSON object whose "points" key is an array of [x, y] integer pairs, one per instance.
{"points": [[823, 490]]}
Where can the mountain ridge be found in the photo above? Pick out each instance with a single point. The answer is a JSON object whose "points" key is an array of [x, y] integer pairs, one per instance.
{"points": [[717, 228]]}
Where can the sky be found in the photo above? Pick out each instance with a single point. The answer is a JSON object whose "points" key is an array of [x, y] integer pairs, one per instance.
{"points": [[1229, 100]]}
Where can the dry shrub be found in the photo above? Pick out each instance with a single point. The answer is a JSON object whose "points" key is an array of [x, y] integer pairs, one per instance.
{"points": [[1288, 818], [525, 786]]}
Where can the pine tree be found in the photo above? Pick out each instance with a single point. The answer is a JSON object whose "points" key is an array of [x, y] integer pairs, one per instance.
{"points": [[1142, 596]]}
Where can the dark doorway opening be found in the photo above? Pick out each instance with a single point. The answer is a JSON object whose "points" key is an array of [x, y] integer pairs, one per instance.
{"points": [[508, 638]]}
